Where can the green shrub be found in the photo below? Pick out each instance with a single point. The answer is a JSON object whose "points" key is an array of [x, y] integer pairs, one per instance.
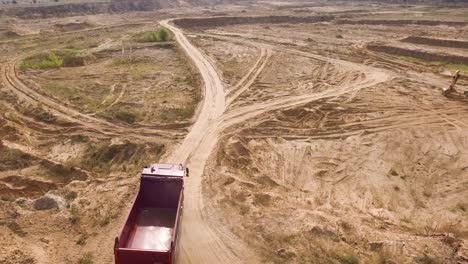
{"points": [[42, 61], [163, 34], [151, 37], [26, 65], [52, 60]]}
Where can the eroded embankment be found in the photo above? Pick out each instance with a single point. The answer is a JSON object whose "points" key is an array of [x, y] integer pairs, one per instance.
{"points": [[58, 10], [402, 22], [437, 42], [419, 54], [228, 21]]}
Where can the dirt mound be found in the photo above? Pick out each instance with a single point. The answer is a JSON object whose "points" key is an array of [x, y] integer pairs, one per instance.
{"points": [[402, 22], [437, 42], [228, 21], [419, 54]]}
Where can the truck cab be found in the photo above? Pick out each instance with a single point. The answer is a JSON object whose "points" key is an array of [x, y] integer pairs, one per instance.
{"points": [[149, 235]]}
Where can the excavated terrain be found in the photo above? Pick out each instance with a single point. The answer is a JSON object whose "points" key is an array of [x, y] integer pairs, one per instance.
{"points": [[74, 138], [315, 132], [375, 174]]}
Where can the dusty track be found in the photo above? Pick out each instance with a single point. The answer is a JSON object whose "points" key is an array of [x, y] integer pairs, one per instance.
{"points": [[202, 240], [13, 82]]}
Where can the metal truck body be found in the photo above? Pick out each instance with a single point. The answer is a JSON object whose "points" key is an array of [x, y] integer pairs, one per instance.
{"points": [[149, 235]]}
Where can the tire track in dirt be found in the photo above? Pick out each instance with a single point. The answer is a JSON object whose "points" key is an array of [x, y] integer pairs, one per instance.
{"points": [[240, 38], [202, 240], [247, 81], [12, 82], [199, 242]]}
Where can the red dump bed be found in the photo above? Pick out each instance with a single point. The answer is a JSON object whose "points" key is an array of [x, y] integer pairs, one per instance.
{"points": [[149, 235]]}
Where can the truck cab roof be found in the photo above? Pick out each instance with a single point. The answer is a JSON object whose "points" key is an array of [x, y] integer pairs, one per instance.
{"points": [[165, 169]]}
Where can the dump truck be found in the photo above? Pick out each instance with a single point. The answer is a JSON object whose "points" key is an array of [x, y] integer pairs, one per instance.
{"points": [[150, 233]]}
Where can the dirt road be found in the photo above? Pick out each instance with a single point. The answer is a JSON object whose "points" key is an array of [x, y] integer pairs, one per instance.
{"points": [[202, 240], [200, 243]]}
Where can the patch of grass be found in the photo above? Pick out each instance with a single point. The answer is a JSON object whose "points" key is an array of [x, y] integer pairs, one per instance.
{"points": [[125, 116], [74, 218], [106, 219], [74, 95], [42, 62], [137, 66], [53, 60], [59, 170], [426, 259], [385, 257], [461, 67], [348, 259], [124, 61], [102, 157], [11, 159], [71, 57], [86, 259], [59, 90], [452, 66], [179, 113], [38, 113]]}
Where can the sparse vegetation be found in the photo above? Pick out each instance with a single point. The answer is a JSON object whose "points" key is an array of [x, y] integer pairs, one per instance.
{"points": [[40, 114], [162, 35], [13, 159], [53, 60], [74, 218], [122, 61], [86, 259], [452, 66], [125, 116], [348, 259], [49, 61], [426, 259], [179, 113], [101, 156]]}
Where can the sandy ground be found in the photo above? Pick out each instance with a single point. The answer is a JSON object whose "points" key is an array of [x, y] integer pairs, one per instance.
{"points": [[307, 146]]}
